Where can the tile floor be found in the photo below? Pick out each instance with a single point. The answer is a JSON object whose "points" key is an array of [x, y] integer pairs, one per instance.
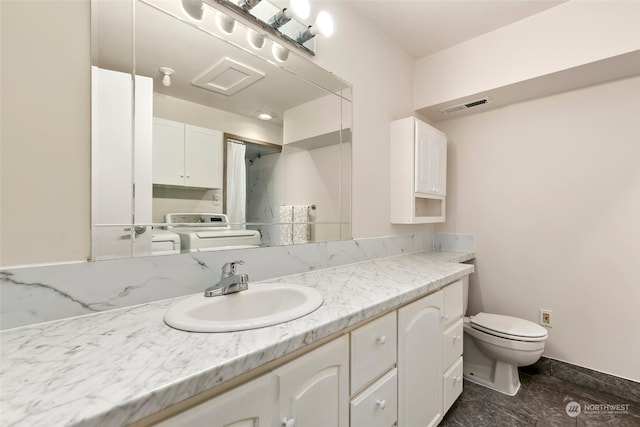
{"points": [[547, 388]]}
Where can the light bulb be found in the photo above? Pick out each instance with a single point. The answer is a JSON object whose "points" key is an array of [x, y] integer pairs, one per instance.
{"points": [[324, 23], [225, 23], [280, 53], [256, 40], [166, 75], [194, 9], [300, 8]]}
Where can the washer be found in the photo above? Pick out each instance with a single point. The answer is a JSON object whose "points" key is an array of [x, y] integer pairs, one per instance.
{"points": [[203, 232]]}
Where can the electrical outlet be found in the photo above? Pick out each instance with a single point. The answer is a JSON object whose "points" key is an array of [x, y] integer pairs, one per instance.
{"points": [[545, 317]]}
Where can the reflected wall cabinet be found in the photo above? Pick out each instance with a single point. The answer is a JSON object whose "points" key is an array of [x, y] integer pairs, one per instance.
{"points": [[186, 155], [418, 172]]}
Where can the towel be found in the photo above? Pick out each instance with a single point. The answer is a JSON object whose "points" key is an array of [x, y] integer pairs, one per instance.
{"points": [[301, 226], [285, 216]]}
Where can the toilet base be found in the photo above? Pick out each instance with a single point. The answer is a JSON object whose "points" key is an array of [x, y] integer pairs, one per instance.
{"points": [[503, 377], [494, 374]]}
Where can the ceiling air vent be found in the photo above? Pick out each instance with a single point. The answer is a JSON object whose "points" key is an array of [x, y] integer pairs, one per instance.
{"points": [[466, 105]]}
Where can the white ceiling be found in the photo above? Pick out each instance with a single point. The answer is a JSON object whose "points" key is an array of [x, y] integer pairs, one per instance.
{"points": [[422, 27]]}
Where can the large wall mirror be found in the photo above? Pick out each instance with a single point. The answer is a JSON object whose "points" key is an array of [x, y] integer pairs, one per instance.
{"points": [[208, 135]]}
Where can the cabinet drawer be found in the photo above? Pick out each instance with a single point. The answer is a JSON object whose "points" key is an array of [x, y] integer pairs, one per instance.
{"points": [[452, 344], [377, 406], [373, 351], [452, 384]]}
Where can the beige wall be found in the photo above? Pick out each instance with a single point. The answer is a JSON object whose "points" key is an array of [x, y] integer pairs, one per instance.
{"points": [[551, 189], [560, 38], [382, 77], [45, 176]]}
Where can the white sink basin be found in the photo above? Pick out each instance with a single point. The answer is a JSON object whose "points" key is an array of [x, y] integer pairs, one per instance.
{"points": [[259, 306]]}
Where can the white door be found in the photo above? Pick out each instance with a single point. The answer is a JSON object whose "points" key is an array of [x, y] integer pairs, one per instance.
{"points": [[249, 405], [439, 163], [424, 144], [419, 370], [168, 152], [111, 193], [203, 157], [313, 390], [430, 160]]}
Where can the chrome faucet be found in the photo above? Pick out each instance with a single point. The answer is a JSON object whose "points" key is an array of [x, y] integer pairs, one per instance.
{"points": [[230, 282]]}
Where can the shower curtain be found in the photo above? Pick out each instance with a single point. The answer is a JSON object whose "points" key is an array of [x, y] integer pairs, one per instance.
{"points": [[236, 183]]}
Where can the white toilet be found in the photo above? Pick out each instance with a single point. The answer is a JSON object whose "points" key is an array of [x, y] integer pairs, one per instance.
{"points": [[495, 345]]}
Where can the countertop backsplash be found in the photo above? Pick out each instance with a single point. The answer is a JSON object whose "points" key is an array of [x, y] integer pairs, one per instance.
{"points": [[43, 293]]}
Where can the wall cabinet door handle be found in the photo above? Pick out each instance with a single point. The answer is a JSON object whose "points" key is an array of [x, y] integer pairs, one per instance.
{"points": [[382, 340], [381, 403], [288, 422]]}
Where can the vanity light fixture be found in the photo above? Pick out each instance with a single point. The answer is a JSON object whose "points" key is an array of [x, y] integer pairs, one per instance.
{"points": [[166, 75], [225, 23], [248, 4], [298, 8], [323, 25], [256, 40], [194, 9]]}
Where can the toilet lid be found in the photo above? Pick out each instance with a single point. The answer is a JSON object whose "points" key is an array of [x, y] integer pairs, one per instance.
{"points": [[508, 327]]}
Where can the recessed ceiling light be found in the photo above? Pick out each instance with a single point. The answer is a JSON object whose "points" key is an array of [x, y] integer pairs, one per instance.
{"points": [[265, 116]]}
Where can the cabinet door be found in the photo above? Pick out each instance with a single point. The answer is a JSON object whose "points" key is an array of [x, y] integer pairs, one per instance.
{"points": [[419, 362], [313, 390], [203, 157], [439, 163], [249, 405], [453, 303], [430, 160], [168, 152]]}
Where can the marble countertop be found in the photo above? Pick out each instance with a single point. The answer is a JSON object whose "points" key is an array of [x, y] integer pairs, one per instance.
{"points": [[116, 367]]}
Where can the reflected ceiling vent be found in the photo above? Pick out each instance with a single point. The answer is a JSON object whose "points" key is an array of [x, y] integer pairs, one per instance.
{"points": [[466, 105], [228, 77]]}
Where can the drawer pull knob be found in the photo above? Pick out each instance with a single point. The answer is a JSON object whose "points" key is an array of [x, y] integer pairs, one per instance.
{"points": [[382, 339], [288, 422], [457, 380], [381, 403], [457, 338], [445, 318]]}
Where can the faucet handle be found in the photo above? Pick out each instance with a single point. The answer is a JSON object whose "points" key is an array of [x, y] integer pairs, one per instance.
{"points": [[229, 268]]}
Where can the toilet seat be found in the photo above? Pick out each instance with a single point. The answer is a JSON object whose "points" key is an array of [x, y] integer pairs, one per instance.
{"points": [[508, 327]]}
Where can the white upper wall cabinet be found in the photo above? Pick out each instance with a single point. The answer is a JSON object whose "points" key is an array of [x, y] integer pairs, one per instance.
{"points": [[418, 172], [186, 155]]}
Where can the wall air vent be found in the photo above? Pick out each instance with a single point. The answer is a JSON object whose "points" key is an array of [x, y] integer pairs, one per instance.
{"points": [[466, 105]]}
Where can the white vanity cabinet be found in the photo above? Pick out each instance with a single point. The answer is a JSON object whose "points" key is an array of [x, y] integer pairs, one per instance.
{"points": [[402, 369], [186, 155], [430, 356], [418, 172]]}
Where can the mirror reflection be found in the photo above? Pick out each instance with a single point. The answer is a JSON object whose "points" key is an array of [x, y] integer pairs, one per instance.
{"points": [[203, 141]]}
